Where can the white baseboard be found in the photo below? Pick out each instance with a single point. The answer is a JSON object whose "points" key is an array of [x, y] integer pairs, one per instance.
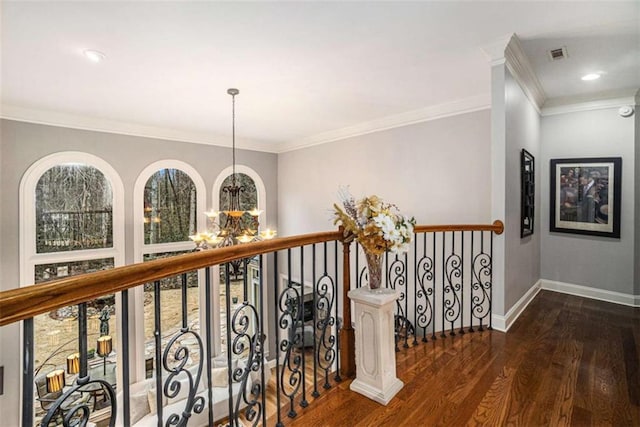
{"points": [[593, 293], [503, 323]]}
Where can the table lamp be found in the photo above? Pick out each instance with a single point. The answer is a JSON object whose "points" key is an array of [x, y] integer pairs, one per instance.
{"points": [[55, 381], [73, 363], [104, 349]]}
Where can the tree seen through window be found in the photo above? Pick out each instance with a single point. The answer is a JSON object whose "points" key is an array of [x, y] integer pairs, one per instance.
{"points": [[73, 209], [170, 207]]}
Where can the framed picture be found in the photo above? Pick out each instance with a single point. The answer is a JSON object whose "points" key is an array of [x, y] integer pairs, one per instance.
{"points": [[585, 196], [527, 193]]}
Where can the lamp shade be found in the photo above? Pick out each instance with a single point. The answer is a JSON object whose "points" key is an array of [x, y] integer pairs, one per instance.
{"points": [[104, 345], [73, 363], [55, 381]]}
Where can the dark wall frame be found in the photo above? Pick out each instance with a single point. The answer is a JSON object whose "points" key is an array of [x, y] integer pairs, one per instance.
{"points": [[527, 193], [581, 208]]}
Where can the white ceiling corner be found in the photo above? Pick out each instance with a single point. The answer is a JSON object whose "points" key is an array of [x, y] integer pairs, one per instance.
{"points": [[467, 105], [97, 124], [611, 99], [495, 50]]}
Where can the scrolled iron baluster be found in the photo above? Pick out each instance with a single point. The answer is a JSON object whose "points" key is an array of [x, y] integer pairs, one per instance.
{"points": [[289, 302], [396, 278], [172, 385], [243, 341], [78, 415], [363, 276], [452, 306], [424, 312], [325, 299], [481, 284]]}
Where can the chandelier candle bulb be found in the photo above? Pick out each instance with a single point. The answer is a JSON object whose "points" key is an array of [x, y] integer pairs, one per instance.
{"points": [[255, 212], [268, 234], [245, 238], [197, 237]]}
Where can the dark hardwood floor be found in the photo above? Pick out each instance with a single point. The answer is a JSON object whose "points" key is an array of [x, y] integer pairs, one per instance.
{"points": [[566, 361]]}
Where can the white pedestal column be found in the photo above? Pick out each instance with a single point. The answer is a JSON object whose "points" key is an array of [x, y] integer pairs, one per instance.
{"points": [[375, 350]]}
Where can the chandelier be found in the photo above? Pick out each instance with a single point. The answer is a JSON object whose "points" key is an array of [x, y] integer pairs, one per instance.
{"points": [[233, 225]]}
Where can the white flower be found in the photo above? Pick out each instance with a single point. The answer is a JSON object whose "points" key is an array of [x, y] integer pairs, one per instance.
{"points": [[386, 229]]}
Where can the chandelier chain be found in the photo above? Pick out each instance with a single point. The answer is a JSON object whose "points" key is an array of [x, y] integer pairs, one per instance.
{"points": [[233, 133]]}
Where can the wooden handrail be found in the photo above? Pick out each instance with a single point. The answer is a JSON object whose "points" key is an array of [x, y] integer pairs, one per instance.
{"points": [[28, 301], [497, 227]]}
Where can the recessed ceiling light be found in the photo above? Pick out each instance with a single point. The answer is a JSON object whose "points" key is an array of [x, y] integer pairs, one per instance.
{"points": [[592, 76], [94, 55]]}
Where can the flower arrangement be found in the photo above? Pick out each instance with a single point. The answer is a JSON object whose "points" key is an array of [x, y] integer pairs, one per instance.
{"points": [[377, 226]]}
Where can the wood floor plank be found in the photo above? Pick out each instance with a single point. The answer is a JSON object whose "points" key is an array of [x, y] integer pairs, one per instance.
{"points": [[563, 407], [566, 361], [492, 409], [632, 365]]}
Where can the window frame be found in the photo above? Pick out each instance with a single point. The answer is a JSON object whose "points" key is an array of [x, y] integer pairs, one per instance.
{"points": [[29, 257], [140, 249]]}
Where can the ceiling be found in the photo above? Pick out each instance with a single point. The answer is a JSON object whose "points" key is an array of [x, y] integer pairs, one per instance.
{"points": [[308, 72]]}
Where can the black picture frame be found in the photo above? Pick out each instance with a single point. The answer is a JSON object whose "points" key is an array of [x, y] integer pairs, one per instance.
{"points": [[585, 196], [527, 193]]}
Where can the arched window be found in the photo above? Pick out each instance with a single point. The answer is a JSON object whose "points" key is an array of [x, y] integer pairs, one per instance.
{"points": [[170, 207], [169, 201], [71, 210]]}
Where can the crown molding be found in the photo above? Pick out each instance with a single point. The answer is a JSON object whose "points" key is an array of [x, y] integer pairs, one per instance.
{"points": [[522, 70], [434, 112], [494, 51], [53, 118], [577, 104], [508, 50]]}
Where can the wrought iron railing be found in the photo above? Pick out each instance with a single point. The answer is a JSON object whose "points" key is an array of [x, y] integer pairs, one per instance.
{"points": [[444, 282], [293, 309]]}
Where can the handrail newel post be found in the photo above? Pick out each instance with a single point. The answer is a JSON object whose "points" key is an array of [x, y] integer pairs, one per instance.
{"points": [[347, 334]]}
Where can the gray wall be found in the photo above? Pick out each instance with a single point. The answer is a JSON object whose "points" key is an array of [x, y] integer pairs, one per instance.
{"points": [[437, 171], [637, 197], [22, 144], [522, 255], [498, 181], [596, 262]]}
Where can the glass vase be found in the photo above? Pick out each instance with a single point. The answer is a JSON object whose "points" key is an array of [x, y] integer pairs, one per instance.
{"points": [[374, 266]]}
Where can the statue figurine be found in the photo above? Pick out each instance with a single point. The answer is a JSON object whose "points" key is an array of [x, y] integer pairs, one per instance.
{"points": [[104, 321]]}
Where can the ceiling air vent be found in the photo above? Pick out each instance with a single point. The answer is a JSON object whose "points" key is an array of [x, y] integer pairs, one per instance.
{"points": [[557, 54]]}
